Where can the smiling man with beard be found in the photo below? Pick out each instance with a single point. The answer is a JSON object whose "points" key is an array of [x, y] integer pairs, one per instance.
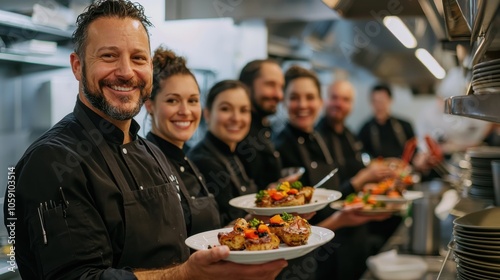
{"points": [[265, 80], [93, 200]]}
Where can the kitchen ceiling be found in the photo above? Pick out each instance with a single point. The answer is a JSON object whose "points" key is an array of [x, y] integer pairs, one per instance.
{"points": [[329, 33], [337, 33]]}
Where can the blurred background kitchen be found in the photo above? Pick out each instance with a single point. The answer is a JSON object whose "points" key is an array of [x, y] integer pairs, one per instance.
{"points": [[363, 41]]}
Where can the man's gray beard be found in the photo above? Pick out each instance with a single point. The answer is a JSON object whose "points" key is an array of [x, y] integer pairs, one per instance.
{"points": [[99, 101]]}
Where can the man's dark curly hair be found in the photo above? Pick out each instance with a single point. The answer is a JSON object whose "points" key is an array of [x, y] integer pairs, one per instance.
{"points": [[106, 8]]}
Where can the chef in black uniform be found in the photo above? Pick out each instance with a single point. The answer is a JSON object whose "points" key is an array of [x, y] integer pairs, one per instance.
{"points": [[93, 200], [227, 113], [175, 110], [299, 144], [384, 135], [261, 160], [346, 150]]}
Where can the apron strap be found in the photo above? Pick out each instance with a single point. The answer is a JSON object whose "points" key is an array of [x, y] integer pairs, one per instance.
{"points": [[323, 147], [198, 176], [354, 144], [375, 138], [398, 130]]}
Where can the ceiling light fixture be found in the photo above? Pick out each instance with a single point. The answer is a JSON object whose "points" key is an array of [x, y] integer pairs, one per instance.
{"points": [[399, 29], [430, 62]]}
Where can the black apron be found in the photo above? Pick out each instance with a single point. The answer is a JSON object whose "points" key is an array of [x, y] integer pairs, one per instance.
{"points": [[375, 135], [315, 171], [147, 244], [204, 210], [240, 187]]}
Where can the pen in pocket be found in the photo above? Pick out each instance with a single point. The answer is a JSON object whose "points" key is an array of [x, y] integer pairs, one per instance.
{"points": [[40, 215]]}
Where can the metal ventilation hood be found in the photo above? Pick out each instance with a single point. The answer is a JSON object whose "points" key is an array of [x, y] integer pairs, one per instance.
{"points": [[339, 33], [376, 49]]}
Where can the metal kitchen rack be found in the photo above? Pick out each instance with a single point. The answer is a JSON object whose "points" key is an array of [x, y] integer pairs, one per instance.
{"points": [[17, 28], [483, 20]]}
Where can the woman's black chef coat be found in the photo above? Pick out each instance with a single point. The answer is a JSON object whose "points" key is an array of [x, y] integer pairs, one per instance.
{"points": [[224, 173], [298, 148], [201, 212], [105, 207]]}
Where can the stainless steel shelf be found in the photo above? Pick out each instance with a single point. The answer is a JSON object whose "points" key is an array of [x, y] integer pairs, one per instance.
{"points": [[484, 18], [21, 27], [483, 107], [58, 59]]}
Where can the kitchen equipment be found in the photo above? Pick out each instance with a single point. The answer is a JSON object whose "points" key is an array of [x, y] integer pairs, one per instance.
{"points": [[425, 231], [327, 177]]}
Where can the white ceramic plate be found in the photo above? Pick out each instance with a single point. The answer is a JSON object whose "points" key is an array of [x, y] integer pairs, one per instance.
{"points": [[320, 199], [318, 237], [339, 205]]}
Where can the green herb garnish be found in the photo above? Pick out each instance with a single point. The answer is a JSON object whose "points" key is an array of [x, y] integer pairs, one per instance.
{"points": [[260, 195], [296, 185], [254, 223], [350, 198], [286, 217]]}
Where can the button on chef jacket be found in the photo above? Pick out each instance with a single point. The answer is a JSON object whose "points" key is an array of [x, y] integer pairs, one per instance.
{"points": [[95, 228]]}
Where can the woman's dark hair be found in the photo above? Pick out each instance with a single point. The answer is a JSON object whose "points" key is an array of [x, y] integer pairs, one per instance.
{"points": [[296, 72], [106, 8], [165, 65], [221, 87], [251, 71], [382, 87]]}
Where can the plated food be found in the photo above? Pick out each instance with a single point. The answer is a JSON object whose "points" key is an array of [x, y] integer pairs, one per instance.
{"points": [[386, 187], [320, 198], [205, 240], [285, 194], [369, 204], [255, 235]]}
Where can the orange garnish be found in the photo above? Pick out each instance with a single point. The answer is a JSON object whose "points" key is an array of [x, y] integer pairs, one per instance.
{"points": [[251, 234], [263, 228], [276, 219]]}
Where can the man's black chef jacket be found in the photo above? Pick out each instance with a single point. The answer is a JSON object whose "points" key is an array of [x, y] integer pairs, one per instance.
{"points": [[385, 140], [75, 221]]}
